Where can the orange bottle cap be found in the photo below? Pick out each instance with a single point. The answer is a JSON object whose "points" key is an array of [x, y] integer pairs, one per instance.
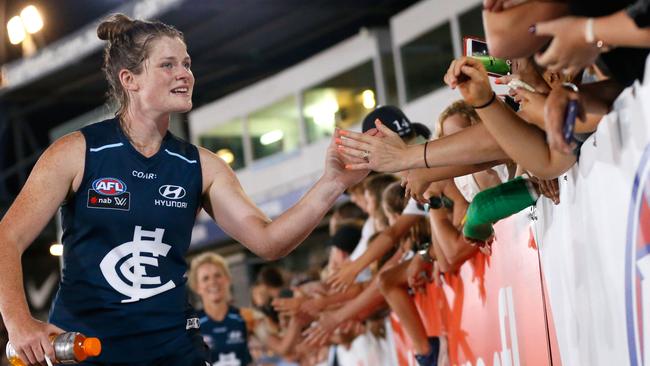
{"points": [[92, 347]]}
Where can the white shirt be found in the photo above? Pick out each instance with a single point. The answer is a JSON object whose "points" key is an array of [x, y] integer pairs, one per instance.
{"points": [[413, 209], [366, 232], [468, 186]]}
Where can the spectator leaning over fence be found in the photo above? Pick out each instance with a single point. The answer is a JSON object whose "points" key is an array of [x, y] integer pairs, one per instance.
{"points": [[357, 195], [616, 31], [393, 202], [507, 33], [451, 250], [269, 282], [448, 248], [374, 187], [346, 211], [610, 29], [532, 102], [311, 304], [523, 142], [411, 133], [368, 301]]}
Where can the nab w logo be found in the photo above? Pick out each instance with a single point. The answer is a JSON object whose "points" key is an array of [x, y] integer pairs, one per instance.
{"points": [[172, 192], [134, 282], [637, 267], [120, 201]]}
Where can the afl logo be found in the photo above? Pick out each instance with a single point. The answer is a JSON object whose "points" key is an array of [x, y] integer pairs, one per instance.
{"points": [[172, 192], [109, 186], [637, 266]]}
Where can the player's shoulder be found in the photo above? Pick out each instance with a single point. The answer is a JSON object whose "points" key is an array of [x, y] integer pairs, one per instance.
{"points": [[212, 165], [210, 158], [69, 146], [64, 158]]}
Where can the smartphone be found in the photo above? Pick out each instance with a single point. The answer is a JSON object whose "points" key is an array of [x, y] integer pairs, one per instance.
{"points": [[510, 102], [570, 114], [476, 48]]}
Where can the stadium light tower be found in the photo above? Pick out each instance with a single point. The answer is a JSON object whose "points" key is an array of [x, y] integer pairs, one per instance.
{"points": [[20, 29]]}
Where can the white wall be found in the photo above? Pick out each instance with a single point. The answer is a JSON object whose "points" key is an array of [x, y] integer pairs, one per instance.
{"points": [[352, 52]]}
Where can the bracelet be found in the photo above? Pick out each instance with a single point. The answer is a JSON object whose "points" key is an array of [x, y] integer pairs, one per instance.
{"points": [[590, 37], [423, 251], [425, 154], [589, 31], [494, 96]]}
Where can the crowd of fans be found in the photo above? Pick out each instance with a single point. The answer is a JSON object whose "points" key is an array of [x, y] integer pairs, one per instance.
{"points": [[410, 228], [430, 206]]}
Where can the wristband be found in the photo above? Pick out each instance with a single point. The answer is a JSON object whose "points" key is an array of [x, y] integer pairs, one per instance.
{"points": [[494, 96], [436, 203], [425, 154], [423, 252], [571, 86], [590, 37]]}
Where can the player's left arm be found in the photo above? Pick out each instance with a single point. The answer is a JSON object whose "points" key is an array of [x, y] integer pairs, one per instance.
{"points": [[225, 200]]}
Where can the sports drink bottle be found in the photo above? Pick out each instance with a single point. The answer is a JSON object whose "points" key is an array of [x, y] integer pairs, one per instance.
{"points": [[69, 348]]}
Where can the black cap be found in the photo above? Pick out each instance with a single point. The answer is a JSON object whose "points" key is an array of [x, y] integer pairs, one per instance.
{"points": [[392, 117], [346, 238]]}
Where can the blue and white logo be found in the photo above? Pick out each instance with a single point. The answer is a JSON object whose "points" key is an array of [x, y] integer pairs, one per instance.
{"points": [[124, 266], [109, 186], [172, 192], [637, 267]]}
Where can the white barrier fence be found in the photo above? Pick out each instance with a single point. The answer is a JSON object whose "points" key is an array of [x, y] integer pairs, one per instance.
{"points": [[594, 245]]}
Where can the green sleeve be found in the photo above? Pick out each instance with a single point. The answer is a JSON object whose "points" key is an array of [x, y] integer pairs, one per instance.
{"points": [[494, 204]]}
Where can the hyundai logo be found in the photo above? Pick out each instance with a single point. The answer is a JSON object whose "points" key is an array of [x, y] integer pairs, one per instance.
{"points": [[172, 192]]}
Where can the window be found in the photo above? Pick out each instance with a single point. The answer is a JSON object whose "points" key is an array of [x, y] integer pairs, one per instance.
{"points": [[388, 64], [471, 23], [426, 60], [226, 141], [275, 129], [341, 101]]}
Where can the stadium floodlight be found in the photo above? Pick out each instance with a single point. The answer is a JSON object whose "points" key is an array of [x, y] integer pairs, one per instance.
{"points": [[15, 30], [20, 28], [226, 155], [56, 249], [271, 137], [32, 20], [368, 97]]}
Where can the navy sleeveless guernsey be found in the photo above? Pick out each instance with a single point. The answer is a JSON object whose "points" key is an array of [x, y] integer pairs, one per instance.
{"points": [[227, 339], [125, 234]]}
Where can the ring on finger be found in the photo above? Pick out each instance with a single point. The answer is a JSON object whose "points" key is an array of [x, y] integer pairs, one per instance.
{"points": [[365, 154]]}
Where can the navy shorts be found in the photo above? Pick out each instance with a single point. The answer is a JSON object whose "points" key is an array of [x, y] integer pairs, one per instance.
{"points": [[198, 354]]}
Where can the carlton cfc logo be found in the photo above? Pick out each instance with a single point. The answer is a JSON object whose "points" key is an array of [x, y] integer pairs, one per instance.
{"points": [[109, 186], [637, 267], [125, 267]]}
